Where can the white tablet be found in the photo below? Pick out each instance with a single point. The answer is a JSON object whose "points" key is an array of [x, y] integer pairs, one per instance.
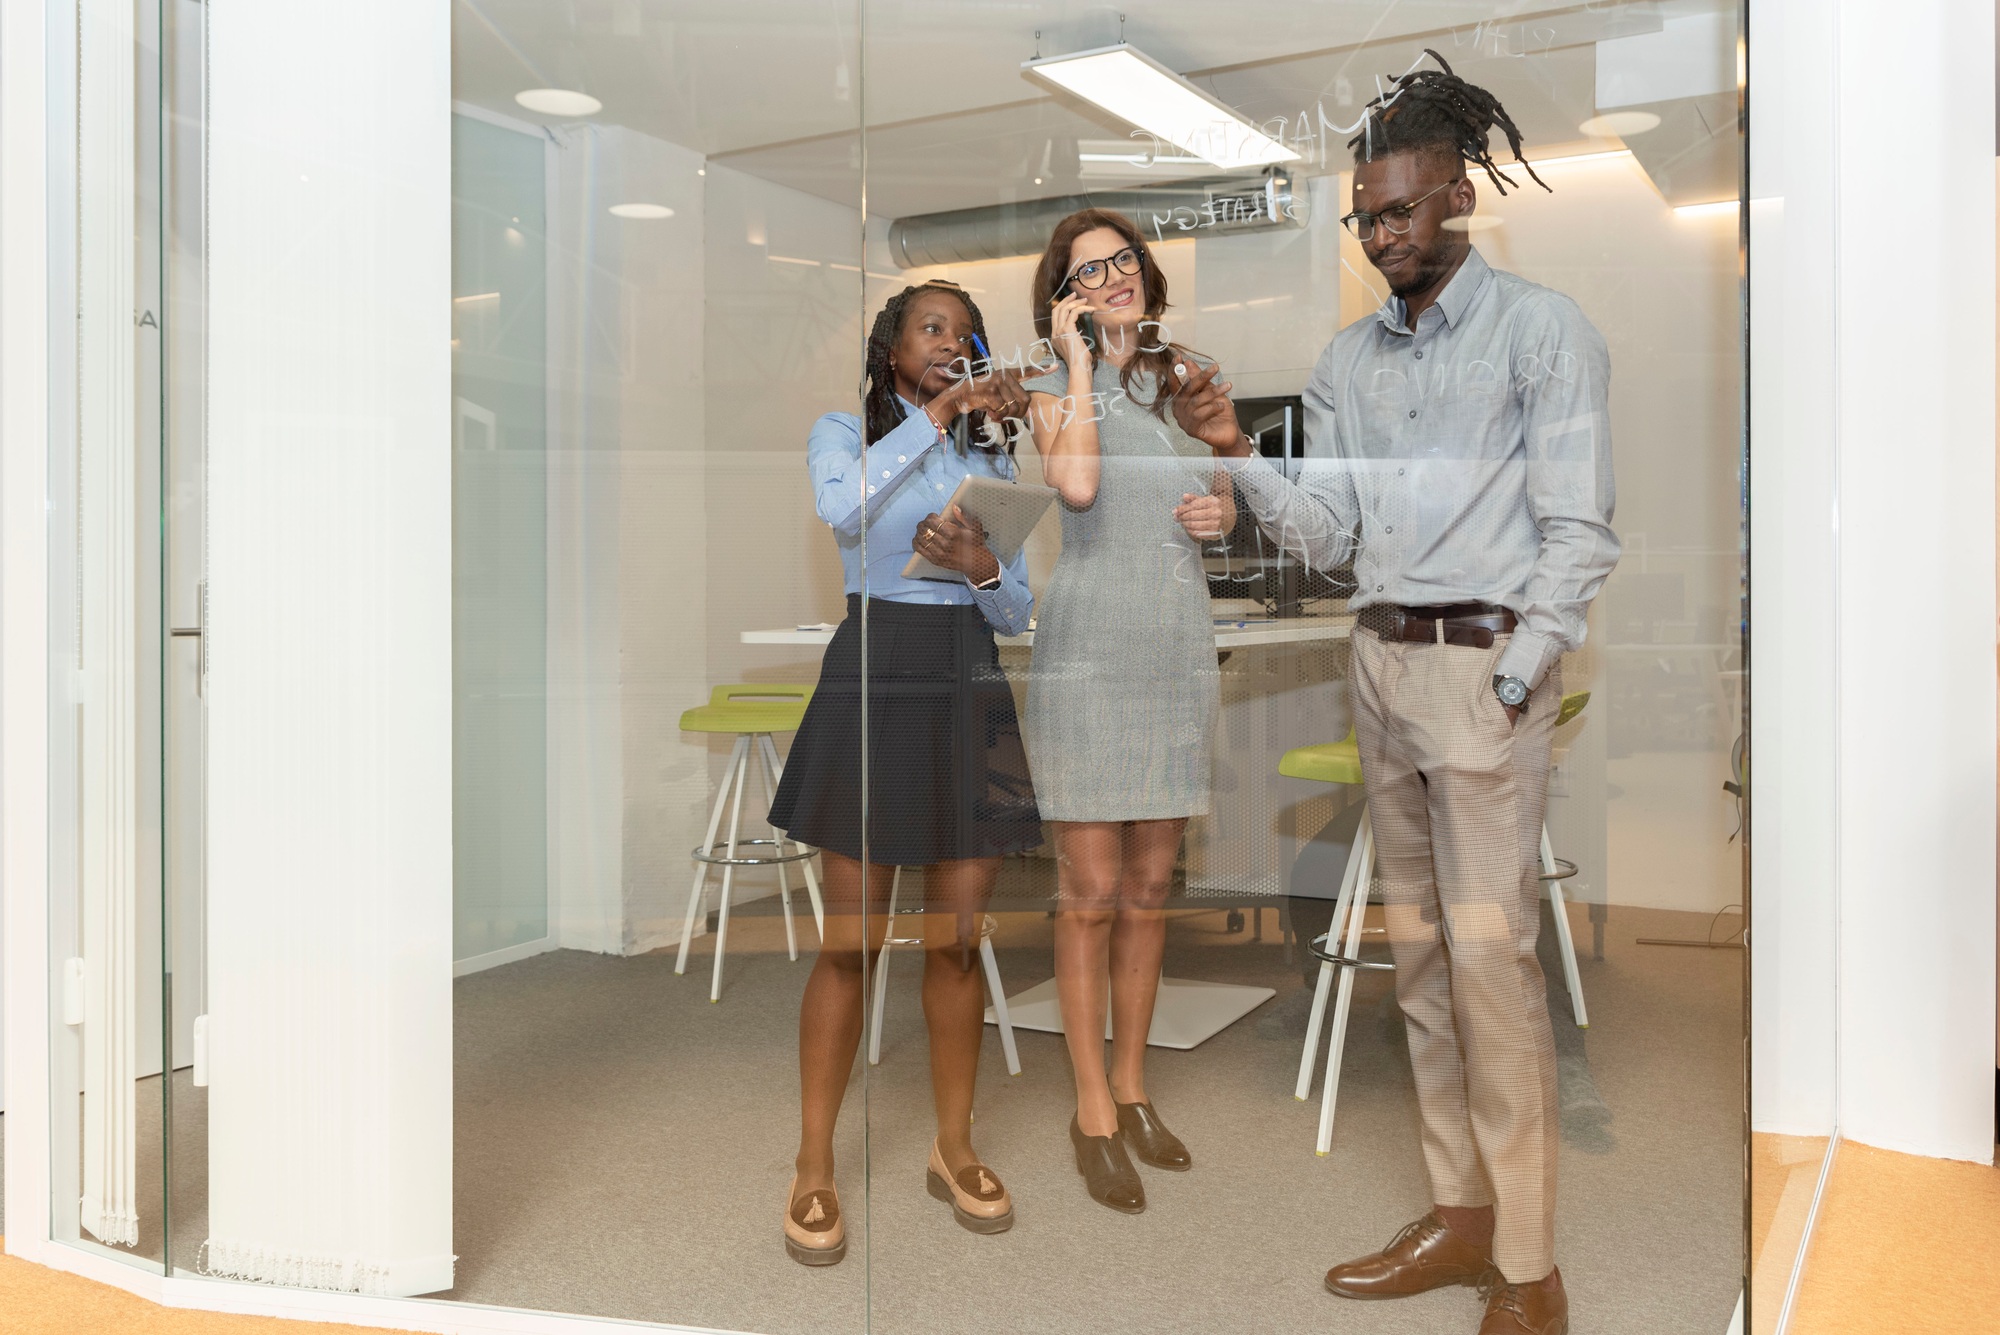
{"points": [[1009, 511]]}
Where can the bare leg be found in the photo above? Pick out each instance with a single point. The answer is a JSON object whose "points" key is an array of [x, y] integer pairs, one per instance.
{"points": [[1138, 944], [955, 896], [830, 1015], [1089, 856]]}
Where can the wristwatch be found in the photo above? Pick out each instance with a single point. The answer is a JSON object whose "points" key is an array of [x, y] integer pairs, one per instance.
{"points": [[989, 585], [1512, 691]]}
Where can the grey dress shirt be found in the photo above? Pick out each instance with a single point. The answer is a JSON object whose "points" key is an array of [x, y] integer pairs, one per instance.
{"points": [[1467, 460]]}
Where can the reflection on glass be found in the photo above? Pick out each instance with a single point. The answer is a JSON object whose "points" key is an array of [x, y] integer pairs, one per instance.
{"points": [[940, 782]]}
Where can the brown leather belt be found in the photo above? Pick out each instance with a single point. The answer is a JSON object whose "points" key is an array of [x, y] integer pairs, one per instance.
{"points": [[1471, 625]]}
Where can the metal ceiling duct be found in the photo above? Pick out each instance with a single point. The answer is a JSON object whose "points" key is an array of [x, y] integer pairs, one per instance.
{"points": [[1184, 210]]}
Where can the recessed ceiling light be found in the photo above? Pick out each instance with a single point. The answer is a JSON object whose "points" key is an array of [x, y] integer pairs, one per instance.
{"points": [[1472, 222], [1136, 88], [559, 102], [1620, 124], [642, 211]]}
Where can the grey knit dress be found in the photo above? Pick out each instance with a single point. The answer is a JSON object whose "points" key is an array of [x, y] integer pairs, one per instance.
{"points": [[1122, 693]]}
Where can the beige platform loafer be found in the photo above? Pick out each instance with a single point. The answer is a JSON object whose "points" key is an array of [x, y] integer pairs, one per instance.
{"points": [[975, 1194]]}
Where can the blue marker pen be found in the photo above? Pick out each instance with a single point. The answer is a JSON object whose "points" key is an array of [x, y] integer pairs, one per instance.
{"points": [[980, 343]]}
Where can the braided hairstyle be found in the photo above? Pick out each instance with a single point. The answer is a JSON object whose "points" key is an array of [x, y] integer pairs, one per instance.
{"points": [[1436, 111], [881, 413]]}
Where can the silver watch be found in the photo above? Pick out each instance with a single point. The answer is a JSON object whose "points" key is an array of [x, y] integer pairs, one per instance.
{"points": [[989, 585], [1513, 692]]}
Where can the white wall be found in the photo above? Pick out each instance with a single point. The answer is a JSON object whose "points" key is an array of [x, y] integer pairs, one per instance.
{"points": [[1874, 535], [1912, 380], [330, 689], [1795, 865], [629, 537]]}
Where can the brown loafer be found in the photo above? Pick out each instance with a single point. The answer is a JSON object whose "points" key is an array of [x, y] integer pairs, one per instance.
{"points": [[814, 1231], [975, 1194], [1424, 1256], [1540, 1308], [1149, 1138], [1108, 1174]]}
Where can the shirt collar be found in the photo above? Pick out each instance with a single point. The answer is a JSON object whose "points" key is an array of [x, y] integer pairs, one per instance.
{"points": [[1454, 301]]}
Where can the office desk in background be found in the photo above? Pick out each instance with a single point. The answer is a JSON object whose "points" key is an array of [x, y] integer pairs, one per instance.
{"points": [[1238, 851]]}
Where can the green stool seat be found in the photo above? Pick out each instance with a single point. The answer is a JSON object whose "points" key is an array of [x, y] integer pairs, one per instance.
{"points": [[750, 707], [751, 712], [1329, 762]]}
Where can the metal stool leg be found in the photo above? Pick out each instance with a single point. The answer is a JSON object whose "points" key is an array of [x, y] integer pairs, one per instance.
{"points": [[777, 773], [1337, 1044], [729, 871], [1324, 987], [1571, 978], [770, 788], [882, 974], [1000, 1015], [708, 841]]}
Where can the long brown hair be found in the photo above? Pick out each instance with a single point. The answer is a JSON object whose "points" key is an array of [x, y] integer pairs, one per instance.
{"points": [[1053, 272]]}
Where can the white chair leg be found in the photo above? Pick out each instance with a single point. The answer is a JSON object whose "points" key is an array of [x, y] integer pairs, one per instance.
{"points": [[770, 788], [1571, 978], [777, 772], [728, 871], [707, 846], [1337, 1043], [1000, 1015], [1325, 984], [882, 974]]}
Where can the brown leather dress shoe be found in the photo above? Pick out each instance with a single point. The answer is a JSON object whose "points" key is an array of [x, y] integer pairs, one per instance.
{"points": [[1526, 1309], [1108, 1174], [1424, 1256], [1149, 1138]]}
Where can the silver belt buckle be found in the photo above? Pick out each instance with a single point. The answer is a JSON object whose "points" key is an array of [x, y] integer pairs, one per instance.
{"points": [[1399, 621]]}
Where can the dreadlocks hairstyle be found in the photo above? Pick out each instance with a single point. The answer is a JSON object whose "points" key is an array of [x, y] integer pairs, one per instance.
{"points": [[881, 413], [1438, 111]]}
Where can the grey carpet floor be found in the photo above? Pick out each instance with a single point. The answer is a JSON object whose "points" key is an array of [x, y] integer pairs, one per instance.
{"points": [[623, 1149]]}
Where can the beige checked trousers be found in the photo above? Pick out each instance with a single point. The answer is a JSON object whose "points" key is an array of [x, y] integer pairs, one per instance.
{"points": [[1456, 796]]}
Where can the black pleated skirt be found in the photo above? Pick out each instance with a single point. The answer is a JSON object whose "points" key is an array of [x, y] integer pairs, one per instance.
{"points": [[947, 773]]}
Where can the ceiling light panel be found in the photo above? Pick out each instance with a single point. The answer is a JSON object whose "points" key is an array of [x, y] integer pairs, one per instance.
{"points": [[1141, 91]]}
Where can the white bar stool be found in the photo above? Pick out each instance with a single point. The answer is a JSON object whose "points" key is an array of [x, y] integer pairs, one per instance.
{"points": [[987, 926], [752, 711]]}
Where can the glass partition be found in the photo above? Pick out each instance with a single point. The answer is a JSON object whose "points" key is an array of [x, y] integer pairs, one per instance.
{"points": [[116, 679], [976, 525], [1390, 771]]}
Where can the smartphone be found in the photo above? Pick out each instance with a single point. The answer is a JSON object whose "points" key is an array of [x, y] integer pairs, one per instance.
{"points": [[1084, 324]]}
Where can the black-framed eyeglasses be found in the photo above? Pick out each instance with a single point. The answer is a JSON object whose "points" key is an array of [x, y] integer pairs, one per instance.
{"points": [[1396, 220], [1095, 273]]}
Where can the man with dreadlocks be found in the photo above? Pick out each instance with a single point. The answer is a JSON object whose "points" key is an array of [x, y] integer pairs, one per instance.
{"points": [[1459, 448]]}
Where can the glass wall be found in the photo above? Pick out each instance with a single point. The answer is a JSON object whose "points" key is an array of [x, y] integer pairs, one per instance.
{"points": [[976, 525], [1261, 680]]}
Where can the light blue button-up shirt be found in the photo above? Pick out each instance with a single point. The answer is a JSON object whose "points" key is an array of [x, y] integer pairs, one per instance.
{"points": [[1468, 459], [896, 482]]}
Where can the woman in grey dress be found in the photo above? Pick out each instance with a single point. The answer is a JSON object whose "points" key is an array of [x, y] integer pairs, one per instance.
{"points": [[1122, 697]]}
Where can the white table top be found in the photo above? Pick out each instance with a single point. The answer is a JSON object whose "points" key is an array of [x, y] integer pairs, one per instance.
{"points": [[1229, 634]]}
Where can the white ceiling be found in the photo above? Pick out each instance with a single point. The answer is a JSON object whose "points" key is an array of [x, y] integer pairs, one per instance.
{"points": [[774, 87]]}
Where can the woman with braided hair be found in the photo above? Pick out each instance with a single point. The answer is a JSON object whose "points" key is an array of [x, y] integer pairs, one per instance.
{"points": [[1458, 446], [947, 785]]}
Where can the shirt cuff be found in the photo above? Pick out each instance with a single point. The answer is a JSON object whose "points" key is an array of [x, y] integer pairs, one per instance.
{"points": [[1527, 656]]}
